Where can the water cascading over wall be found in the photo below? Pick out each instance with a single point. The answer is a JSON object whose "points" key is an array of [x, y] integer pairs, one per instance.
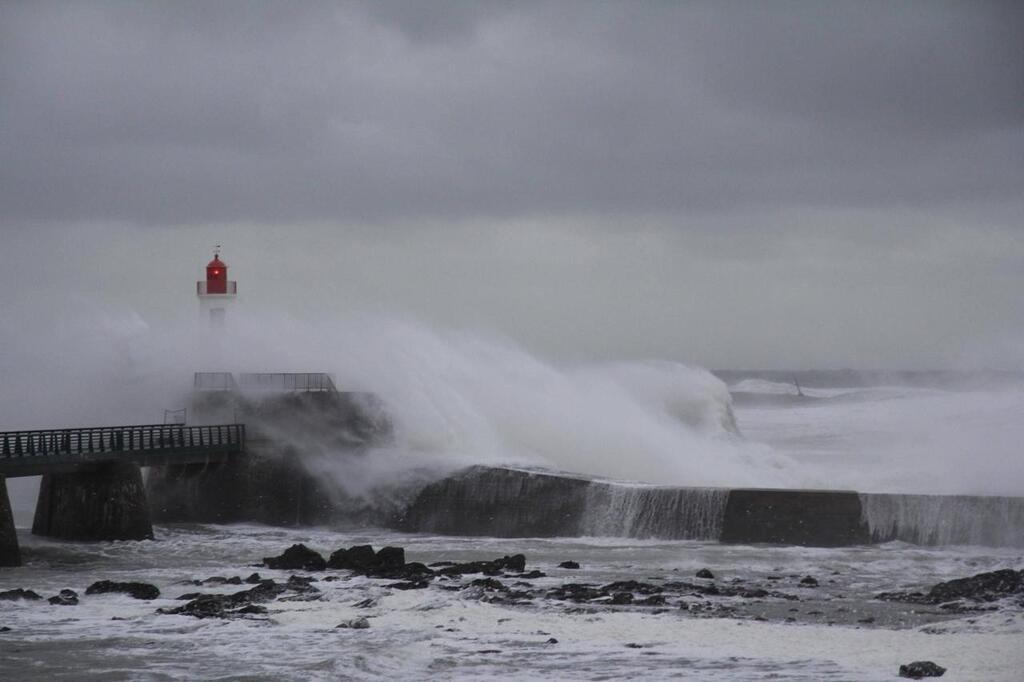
{"points": [[518, 503], [654, 512], [944, 519]]}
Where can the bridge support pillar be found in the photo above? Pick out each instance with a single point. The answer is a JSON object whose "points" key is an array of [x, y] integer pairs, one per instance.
{"points": [[104, 503], [10, 555]]}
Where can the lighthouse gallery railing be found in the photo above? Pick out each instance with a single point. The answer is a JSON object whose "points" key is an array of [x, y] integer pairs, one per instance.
{"points": [[230, 289]]}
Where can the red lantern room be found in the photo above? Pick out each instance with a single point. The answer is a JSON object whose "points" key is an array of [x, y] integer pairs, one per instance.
{"points": [[216, 293], [216, 276]]}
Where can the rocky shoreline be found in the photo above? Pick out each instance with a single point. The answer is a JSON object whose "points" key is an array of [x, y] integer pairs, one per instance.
{"points": [[510, 581]]}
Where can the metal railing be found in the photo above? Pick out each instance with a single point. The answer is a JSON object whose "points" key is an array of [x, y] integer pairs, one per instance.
{"points": [[214, 381], [16, 445], [230, 289], [287, 381]]}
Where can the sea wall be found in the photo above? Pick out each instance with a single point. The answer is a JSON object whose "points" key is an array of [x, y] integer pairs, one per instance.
{"points": [[815, 518], [499, 503], [520, 503], [944, 519], [505, 502]]}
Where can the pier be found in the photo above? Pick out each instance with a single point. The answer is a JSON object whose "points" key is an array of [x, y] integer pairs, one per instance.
{"points": [[92, 486]]}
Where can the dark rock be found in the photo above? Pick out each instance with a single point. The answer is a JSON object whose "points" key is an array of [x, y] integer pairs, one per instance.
{"points": [[297, 558], [357, 558], [410, 585], [568, 564], [301, 582], [391, 557], [632, 586], [980, 587], [653, 600], [355, 624], [191, 595], [983, 587], [221, 580], [19, 593], [65, 598], [754, 593], [135, 590], [487, 583], [251, 609], [227, 605], [705, 573], [808, 581], [367, 603], [551, 640], [254, 578], [919, 669], [5, 629], [515, 563], [622, 598], [577, 592], [530, 576]]}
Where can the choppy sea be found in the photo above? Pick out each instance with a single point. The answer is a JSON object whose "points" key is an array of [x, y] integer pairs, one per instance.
{"points": [[836, 630]]}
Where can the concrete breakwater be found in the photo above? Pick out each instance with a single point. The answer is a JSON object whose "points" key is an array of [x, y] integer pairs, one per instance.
{"points": [[520, 503], [279, 480]]}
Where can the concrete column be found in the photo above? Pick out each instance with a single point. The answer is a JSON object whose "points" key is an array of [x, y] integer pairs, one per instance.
{"points": [[10, 555], [105, 503]]}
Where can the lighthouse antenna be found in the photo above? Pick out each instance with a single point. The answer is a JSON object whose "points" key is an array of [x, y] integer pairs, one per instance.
{"points": [[216, 249]]}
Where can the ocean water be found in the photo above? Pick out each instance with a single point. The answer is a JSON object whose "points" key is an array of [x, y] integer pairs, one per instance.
{"points": [[877, 438], [436, 633]]}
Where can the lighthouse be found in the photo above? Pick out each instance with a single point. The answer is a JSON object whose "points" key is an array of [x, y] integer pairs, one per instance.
{"points": [[217, 292]]}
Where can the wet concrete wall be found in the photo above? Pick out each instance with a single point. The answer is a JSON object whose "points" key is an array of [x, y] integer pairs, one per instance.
{"points": [[499, 503], [794, 517], [515, 503], [107, 502], [10, 554], [276, 490]]}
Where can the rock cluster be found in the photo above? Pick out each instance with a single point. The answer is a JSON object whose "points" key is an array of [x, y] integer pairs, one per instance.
{"points": [[921, 669], [19, 593], [297, 558], [982, 587], [136, 590], [65, 598], [245, 602]]}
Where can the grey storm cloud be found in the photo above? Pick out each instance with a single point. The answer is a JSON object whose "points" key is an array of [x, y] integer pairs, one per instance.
{"points": [[193, 112]]}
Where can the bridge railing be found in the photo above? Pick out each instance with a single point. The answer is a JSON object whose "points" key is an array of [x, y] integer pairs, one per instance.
{"points": [[113, 439]]}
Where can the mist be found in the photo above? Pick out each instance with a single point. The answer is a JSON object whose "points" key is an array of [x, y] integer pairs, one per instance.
{"points": [[531, 228]]}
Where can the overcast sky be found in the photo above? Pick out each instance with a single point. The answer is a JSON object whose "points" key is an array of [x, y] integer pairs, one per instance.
{"points": [[775, 184]]}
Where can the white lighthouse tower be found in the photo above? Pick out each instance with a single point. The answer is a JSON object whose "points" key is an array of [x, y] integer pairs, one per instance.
{"points": [[217, 293]]}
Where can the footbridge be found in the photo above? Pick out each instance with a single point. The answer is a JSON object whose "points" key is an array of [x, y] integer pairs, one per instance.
{"points": [[92, 487], [54, 451]]}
